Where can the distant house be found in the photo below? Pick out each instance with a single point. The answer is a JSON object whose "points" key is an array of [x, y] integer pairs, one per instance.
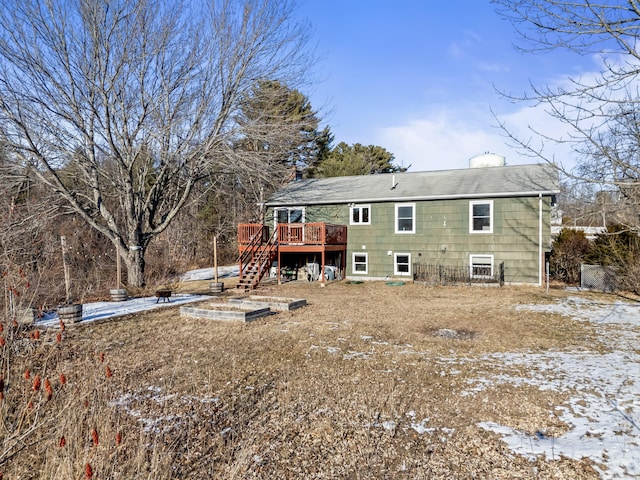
{"points": [[557, 225], [386, 226], [591, 233]]}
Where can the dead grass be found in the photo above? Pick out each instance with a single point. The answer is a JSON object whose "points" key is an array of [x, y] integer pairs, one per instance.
{"points": [[326, 391]]}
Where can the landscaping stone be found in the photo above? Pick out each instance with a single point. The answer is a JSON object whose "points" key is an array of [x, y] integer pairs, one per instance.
{"points": [[218, 311], [277, 304]]}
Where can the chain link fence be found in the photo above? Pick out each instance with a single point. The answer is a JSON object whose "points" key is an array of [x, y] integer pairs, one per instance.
{"points": [[598, 277]]}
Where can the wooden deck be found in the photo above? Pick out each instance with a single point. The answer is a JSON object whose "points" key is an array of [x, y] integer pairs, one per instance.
{"points": [[293, 235], [317, 237]]}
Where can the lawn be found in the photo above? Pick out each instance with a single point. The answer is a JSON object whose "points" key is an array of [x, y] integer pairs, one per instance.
{"points": [[367, 381]]}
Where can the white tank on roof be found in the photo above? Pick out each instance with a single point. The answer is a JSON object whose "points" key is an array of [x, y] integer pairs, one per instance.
{"points": [[487, 160]]}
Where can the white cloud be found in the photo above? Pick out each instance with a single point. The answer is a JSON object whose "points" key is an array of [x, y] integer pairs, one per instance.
{"points": [[438, 142], [448, 135], [449, 138]]}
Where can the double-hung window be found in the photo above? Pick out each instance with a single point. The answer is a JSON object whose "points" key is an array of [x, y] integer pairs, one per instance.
{"points": [[360, 215], [481, 216], [360, 263], [405, 218], [402, 264]]}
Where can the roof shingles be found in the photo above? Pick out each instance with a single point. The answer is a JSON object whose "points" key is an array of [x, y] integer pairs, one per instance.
{"points": [[503, 181]]}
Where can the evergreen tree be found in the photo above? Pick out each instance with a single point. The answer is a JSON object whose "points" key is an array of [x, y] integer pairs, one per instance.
{"points": [[618, 246], [277, 138], [355, 159], [279, 124]]}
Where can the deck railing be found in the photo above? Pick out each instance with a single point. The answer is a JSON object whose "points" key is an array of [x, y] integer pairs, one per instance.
{"points": [[318, 233], [250, 233]]}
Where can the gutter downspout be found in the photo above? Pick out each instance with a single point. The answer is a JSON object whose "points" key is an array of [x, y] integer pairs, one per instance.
{"points": [[540, 258]]}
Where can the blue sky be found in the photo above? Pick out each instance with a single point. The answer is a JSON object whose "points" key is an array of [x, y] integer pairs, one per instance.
{"points": [[419, 78]]}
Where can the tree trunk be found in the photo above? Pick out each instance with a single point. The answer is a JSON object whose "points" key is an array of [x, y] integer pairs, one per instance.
{"points": [[135, 268]]}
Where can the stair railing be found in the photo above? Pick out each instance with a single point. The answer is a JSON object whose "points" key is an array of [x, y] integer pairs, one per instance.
{"points": [[265, 257], [249, 251]]}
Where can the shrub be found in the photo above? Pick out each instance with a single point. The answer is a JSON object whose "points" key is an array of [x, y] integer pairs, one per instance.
{"points": [[56, 408], [619, 247], [569, 251]]}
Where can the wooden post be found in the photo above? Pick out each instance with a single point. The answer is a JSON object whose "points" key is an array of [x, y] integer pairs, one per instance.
{"points": [[65, 267], [118, 268], [279, 265], [215, 259]]}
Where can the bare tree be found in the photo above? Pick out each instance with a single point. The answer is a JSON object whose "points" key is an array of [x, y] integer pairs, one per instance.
{"points": [[122, 106], [599, 112], [280, 129]]}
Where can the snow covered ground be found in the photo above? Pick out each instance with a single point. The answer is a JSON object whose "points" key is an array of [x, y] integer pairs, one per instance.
{"points": [[94, 311], [604, 407], [104, 310], [207, 273]]}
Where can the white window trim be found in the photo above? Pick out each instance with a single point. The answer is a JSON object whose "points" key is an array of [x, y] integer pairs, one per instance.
{"points": [[395, 264], [360, 207], [471, 257], [276, 209], [480, 202], [366, 263], [413, 223]]}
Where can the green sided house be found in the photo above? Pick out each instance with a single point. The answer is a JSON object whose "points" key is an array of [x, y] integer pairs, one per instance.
{"points": [[488, 219]]}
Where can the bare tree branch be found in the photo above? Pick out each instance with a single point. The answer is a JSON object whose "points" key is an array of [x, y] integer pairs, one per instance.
{"points": [[600, 112], [122, 106]]}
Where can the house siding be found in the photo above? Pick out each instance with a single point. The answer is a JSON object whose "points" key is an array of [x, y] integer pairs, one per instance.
{"points": [[442, 235], [336, 214]]}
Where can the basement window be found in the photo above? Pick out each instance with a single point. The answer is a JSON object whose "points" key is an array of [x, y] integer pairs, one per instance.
{"points": [[402, 264], [481, 266], [360, 263]]}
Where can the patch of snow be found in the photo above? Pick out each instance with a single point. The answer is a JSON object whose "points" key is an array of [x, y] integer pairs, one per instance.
{"points": [[389, 425], [158, 423], [208, 273], [350, 355], [603, 412], [104, 310], [420, 427]]}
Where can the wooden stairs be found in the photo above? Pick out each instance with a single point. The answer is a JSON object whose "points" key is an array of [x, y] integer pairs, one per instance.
{"points": [[261, 257]]}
